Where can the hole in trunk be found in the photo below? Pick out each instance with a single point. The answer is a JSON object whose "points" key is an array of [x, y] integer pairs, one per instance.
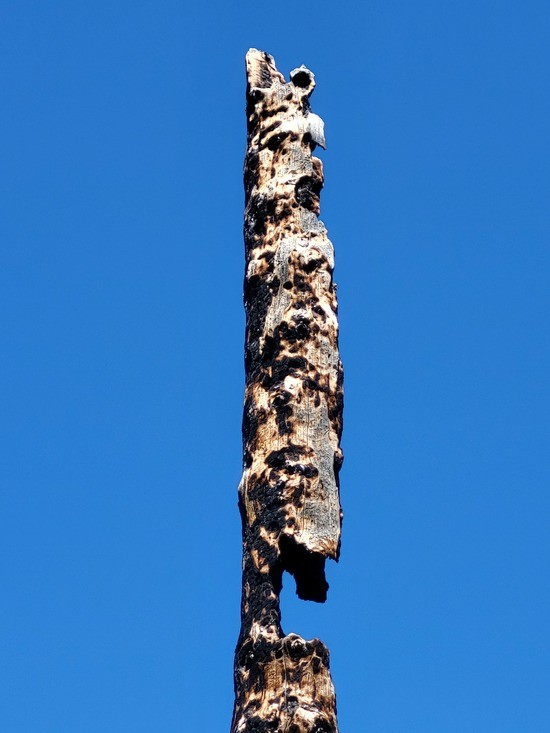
{"points": [[308, 569]]}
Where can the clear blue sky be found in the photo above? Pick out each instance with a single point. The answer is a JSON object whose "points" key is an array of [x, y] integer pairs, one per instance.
{"points": [[122, 134]]}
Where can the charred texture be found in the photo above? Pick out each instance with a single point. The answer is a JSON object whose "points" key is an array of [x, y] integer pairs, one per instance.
{"points": [[292, 424]]}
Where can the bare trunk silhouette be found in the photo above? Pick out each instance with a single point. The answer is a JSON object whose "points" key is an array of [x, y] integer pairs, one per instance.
{"points": [[289, 492]]}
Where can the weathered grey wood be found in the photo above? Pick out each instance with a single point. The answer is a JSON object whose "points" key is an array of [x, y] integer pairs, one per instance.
{"points": [[289, 492]]}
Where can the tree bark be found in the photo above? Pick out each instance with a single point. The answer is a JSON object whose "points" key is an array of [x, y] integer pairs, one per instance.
{"points": [[289, 492]]}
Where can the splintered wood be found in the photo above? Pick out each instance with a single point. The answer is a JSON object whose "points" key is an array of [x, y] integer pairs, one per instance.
{"points": [[289, 493]]}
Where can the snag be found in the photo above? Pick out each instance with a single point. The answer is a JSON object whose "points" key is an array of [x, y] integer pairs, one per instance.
{"points": [[289, 492]]}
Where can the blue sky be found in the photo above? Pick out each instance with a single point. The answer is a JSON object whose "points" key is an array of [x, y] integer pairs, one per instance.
{"points": [[121, 269]]}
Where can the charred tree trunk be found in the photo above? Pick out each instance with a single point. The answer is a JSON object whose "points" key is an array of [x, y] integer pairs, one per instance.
{"points": [[289, 493]]}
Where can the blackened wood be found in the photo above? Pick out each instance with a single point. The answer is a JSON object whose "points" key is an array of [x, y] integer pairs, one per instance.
{"points": [[289, 492]]}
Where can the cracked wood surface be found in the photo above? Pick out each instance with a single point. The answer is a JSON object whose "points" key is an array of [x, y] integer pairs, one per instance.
{"points": [[289, 492]]}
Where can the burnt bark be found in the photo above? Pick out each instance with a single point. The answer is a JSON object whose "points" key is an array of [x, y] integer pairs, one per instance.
{"points": [[289, 492]]}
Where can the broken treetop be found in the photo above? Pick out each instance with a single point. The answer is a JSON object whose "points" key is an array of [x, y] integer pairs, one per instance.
{"points": [[288, 496], [293, 400]]}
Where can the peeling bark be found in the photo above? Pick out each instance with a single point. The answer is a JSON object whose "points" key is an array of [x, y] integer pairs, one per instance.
{"points": [[289, 492]]}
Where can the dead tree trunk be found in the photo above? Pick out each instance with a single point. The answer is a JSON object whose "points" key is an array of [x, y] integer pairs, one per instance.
{"points": [[289, 493]]}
